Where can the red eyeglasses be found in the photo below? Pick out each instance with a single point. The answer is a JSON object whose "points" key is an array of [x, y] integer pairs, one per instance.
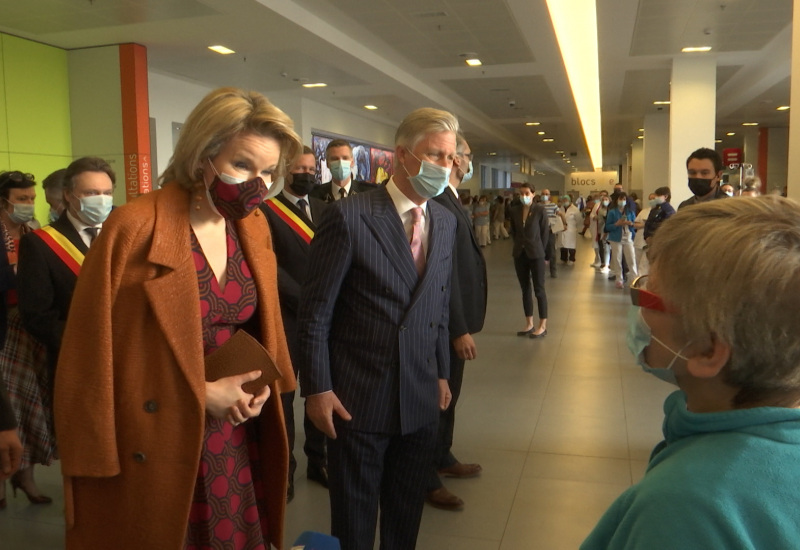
{"points": [[641, 297]]}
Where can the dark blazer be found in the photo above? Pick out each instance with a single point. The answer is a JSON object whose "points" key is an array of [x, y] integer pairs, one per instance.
{"points": [[292, 253], [45, 286], [8, 280], [531, 236], [468, 289], [370, 329], [323, 191]]}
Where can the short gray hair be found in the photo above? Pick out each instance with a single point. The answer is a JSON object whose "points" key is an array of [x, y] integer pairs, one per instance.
{"points": [[731, 270], [422, 122]]}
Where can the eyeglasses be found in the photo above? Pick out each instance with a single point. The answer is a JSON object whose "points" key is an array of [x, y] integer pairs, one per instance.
{"points": [[641, 297], [468, 156]]}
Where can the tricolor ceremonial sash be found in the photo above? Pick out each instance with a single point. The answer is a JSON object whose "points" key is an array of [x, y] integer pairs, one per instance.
{"points": [[63, 248], [293, 220]]}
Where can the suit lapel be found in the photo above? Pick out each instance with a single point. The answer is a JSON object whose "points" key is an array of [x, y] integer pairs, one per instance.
{"points": [[435, 251], [176, 286], [299, 214], [65, 227], [387, 227], [459, 210]]}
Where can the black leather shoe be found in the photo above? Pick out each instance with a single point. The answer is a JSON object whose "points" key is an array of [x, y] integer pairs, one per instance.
{"points": [[318, 474], [540, 335], [526, 332]]}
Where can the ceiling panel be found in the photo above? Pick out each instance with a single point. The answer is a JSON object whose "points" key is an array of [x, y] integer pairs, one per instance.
{"points": [[531, 96]]}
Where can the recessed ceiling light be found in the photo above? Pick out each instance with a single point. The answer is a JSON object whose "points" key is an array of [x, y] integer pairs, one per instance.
{"points": [[639, 137], [641, 129], [532, 123], [548, 140], [731, 134], [315, 85], [695, 49], [370, 107], [221, 49], [783, 108], [749, 123], [540, 133], [661, 103], [474, 62], [560, 152], [491, 154], [717, 141], [516, 164]]}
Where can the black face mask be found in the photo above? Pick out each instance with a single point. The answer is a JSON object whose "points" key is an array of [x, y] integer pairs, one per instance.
{"points": [[303, 183], [700, 186]]}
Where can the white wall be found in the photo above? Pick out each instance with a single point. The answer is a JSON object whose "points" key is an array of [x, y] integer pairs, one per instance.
{"points": [[171, 100], [777, 159]]}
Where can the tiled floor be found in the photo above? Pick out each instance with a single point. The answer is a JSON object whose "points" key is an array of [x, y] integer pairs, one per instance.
{"points": [[561, 426]]}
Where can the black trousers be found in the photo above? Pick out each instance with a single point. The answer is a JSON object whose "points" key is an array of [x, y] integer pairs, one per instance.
{"points": [[368, 471], [447, 420], [550, 254], [532, 270], [314, 445], [567, 254]]}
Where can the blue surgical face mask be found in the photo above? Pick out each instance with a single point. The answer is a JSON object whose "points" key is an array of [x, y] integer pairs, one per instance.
{"points": [[653, 203], [468, 175], [340, 169], [95, 209], [23, 213], [545, 198], [431, 180], [639, 337], [526, 199]]}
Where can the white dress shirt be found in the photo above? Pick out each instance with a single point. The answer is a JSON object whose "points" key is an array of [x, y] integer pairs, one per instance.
{"points": [[335, 189], [404, 205], [293, 200], [80, 226]]}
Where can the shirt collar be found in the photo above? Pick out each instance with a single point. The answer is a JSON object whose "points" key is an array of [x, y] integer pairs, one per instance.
{"points": [[402, 203], [78, 224]]}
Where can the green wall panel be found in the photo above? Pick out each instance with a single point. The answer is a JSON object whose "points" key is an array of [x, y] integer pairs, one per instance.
{"points": [[37, 97], [3, 121], [40, 166]]}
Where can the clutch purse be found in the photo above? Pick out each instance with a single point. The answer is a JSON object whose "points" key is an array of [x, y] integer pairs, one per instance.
{"points": [[239, 355]]}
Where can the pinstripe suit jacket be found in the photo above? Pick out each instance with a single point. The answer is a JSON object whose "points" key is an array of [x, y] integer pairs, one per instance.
{"points": [[370, 329]]}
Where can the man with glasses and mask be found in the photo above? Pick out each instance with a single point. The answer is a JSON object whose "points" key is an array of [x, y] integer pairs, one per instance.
{"points": [[339, 158], [374, 340], [293, 216], [704, 168], [726, 474], [50, 258]]}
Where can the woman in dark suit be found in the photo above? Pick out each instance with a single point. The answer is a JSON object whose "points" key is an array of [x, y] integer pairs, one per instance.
{"points": [[154, 455], [530, 230]]}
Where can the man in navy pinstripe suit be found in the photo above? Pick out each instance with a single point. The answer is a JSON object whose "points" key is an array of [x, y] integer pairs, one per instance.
{"points": [[373, 330]]}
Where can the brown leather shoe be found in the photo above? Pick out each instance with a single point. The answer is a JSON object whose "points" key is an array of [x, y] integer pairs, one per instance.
{"points": [[445, 500], [461, 470]]}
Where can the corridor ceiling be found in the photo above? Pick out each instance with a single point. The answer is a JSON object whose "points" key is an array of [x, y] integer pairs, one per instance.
{"points": [[404, 54]]}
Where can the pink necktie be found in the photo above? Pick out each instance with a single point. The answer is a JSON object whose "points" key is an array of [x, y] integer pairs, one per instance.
{"points": [[416, 240]]}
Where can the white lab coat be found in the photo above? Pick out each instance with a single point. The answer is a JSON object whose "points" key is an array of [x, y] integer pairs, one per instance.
{"points": [[569, 237]]}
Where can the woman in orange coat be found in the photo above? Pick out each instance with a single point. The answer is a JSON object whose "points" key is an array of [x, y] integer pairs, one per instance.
{"points": [[153, 455]]}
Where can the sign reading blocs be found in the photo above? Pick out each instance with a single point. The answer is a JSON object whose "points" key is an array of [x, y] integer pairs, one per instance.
{"points": [[589, 182]]}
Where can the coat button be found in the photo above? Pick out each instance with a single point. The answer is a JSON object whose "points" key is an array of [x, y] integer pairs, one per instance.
{"points": [[387, 291], [139, 457], [150, 406], [402, 328]]}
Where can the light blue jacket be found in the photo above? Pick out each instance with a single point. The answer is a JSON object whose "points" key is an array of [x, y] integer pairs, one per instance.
{"points": [[615, 231]]}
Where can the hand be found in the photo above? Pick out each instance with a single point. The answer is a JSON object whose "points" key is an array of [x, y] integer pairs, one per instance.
{"points": [[10, 453], [465, 347], [226, 400], [444, 394], [320, 408]]}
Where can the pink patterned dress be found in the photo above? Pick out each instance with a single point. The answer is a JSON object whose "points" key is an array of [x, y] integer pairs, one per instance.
{"points": [[226, 511]]}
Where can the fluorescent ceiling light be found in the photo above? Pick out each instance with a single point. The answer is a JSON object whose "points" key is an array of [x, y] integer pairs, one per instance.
{"points": [[540, 133], [370, 107], [717, 141], [731, 134], [560, 152], [474, 62], [548, 140], [641, 129], [532, 123], [661, 103], [783, 108], [491, 154], [640, 137], [749, 123], [221, 49], [696, 49], [315, 85], [575, 24]]}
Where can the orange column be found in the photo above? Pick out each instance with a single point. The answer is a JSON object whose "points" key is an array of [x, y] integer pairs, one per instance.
{"points": [[135, 120], [763, 157]]}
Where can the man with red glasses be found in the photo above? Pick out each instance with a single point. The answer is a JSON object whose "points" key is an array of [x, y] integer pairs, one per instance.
{"points": [[727, 472]]}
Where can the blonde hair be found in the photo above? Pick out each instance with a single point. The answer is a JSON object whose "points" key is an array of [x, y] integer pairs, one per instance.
{"points": [[220, 116], [731, 269], [422, 122]]}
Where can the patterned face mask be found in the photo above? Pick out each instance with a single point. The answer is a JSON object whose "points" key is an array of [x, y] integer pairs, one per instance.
{"points": [[234, 198]]}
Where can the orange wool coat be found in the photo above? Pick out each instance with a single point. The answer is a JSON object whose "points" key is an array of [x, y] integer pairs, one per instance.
{"points": [[129, 393]]}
